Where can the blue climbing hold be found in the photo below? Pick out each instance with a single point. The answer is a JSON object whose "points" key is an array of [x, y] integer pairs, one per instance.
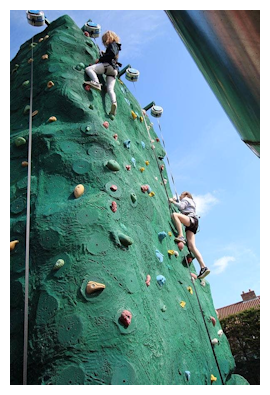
{"points": [[162, 235], [159, 256], [161, 280], [187, 374], [127, 143], [133, 160], [143, 144]]}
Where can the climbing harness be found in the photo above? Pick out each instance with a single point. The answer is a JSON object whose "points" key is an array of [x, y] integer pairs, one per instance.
{"points": [[26, 293], [92, 28], [201, 310], [35, 17], [132, 74]]}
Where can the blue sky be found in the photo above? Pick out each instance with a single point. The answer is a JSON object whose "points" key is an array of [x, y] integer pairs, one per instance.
{"points": [[206, 154]]}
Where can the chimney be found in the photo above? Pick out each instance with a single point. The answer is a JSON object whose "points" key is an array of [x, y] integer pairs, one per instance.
{"points": [[248, 295]]}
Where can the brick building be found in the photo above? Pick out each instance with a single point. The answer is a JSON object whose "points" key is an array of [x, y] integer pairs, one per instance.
{"points": [[250, 300]]}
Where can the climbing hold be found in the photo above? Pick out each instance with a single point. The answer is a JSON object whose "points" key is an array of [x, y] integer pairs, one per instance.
{"points": [[13, 244], [194, 276], [106, 124], [133, 160], [180, 245], [147, 162], [190, 290], [52, 119], [26, 109], [132, 74], [182, 304], [24, 164], [78, 191], [111, 116], [113, 188], [156, 111], [189, 258], [163, 308], [87, 87], [161, 280], [26, 83], [125, 240], [152, 194], [187, 374], [30, 60], [115, 136], [91, 106], [162, 235], [134, 116], [46, 37], [214, 341], [220, 333], [127, 143], [148, 279], [41, 39], [142, 169], [203, 283], [128, 167], [93, 286], [170, 234], [113, 165], [159, 256], [133, 197], [80, 66], [34, 113], [161, 167], [145, 188], [92, 28], [20, 141], [46, 56], [157, 139], [171, 252], [114, 206], [176, 253], [125, 317], [143, 144], [59, 263], [35, 17], [50, 84], [87, 34], [213, 378], [141, 119], [213, 320]]}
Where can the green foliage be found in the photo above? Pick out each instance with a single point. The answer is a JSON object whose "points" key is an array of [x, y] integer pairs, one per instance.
{"points": [[243, 333]]}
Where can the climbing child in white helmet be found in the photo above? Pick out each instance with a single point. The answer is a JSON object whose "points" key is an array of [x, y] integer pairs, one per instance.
{"points": [[189, 219], [107, 64]]}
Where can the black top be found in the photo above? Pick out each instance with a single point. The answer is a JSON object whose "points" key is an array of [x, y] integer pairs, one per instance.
{"points": [[110, 55]]}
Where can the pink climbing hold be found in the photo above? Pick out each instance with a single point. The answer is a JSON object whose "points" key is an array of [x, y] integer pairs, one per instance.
{"points": [[114, 207], [86, 34], [128, 167], [148, 279], [193, 275], [87, 88], [126, 317], [113, 188], [106, 124], [144, 188], [115, 136], [180, 245], [213, 320]]}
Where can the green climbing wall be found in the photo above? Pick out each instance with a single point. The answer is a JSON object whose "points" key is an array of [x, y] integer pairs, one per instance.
{"points": [[76, 337]]}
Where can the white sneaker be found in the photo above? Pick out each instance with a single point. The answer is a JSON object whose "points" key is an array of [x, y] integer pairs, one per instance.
{"points": [[113, 109], [94, 85]]}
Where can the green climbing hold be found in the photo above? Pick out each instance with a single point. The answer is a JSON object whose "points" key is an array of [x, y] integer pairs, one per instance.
{"points": [[26, 109], [20, 141], [111, 116], [26, 83], [113, 165], [91, 107], [59, 263], [125, 240]]}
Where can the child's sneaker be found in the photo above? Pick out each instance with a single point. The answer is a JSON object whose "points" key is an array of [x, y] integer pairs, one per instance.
{"points": [[113, 109], [203, 272], [94, 85], [179, 240]]}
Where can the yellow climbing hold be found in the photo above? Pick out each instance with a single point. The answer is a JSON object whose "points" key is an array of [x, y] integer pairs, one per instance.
{"points": [[41, 39], [182, 304], [213, 378], [171, 252], [78, 191], [170, 234], [152, 194], [13, 244], [34, 113], [147, 162], [50, 84], [142, 169], [52, 119], [190, 290], [141, 119], [121, 82], [134, 116]]}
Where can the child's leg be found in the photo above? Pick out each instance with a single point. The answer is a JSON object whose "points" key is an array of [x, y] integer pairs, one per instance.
{"points": [[191, 245], [180, 219], [110, 88], [93, 70]]}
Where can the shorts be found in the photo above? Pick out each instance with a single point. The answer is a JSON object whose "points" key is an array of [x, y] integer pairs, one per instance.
{"points": [[194, 223]]}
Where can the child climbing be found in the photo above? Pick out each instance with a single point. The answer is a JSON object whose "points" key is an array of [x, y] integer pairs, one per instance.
{"points": [[107, 64], [188, 218]]}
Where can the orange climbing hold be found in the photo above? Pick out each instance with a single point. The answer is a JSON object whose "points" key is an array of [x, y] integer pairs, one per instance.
{"points": [[134, 116], [52, 119], [46, 56], [13, 244], [78, 191], [24, 164]]}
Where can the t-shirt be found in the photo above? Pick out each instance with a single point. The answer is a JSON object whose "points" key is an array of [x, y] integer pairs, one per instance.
{"points": [[187, 206]]}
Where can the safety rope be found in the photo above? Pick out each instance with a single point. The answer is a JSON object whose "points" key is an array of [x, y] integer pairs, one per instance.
{"points": [[26, 293], [201, 310]]}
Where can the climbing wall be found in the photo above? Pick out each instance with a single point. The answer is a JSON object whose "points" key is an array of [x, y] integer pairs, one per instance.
{"points": [[99, 242]]}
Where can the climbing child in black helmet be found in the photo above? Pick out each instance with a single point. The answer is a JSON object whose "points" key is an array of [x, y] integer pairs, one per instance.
{"points": [[107, 64], [188, 218]]}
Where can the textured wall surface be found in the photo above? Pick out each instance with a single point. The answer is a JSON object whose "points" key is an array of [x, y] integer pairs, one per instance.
{"points": [[76, 337]]}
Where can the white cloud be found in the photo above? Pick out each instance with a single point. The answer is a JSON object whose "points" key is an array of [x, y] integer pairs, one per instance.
{"points": [[204, 203], [221, 264]]}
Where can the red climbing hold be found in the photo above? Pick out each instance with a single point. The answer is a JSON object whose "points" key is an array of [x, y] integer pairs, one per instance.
{"points": [[87, 88], [106, 124], [144, 188], [113, 188], [180, 245], [128, 167], [114, 207], [189, 259], [213, 320], [86, 34], [115, 136], [125, 317], [148, 279]]}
